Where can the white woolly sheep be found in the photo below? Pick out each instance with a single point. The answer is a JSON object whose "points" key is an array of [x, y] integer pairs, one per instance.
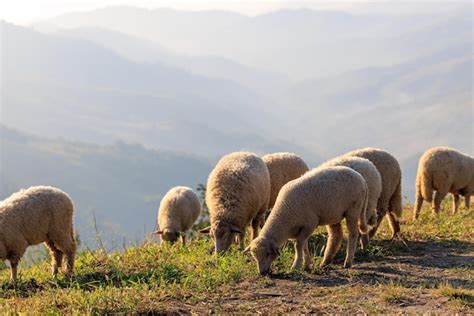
{"points": [[323, 196], [283, 167], [373, 180], [390, 201], [444, 170], [178, 211], [238, 191], [33, 216]]}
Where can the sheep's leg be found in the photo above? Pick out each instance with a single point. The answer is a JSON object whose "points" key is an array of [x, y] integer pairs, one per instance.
{"points": [[418, 204], [298, 255], [352, 241], [241, 240], [301, 244], [255, 225], [455, 203], [308, 259], [394, 224], [14, 260], [438, 198], [68, 247], [380, 216], [333, 243], [57, 258], [364, 241], [467, 200], [183, 239], [70, 254]]}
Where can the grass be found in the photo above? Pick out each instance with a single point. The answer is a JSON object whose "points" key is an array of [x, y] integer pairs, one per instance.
{"points": [[431, 265], [459, 297]]}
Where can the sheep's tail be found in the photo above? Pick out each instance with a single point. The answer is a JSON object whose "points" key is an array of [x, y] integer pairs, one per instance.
{"points": [[396, 200], [424, 183], [363, 228], [71, 223]]}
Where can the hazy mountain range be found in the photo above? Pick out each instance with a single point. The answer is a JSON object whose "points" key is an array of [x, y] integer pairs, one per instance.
{"points": [[120, 184], [117, 105], [300, 43]]}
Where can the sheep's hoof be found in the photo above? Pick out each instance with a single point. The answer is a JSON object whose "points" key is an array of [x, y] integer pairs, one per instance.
{"points": [[296, 267], [324, 265]]}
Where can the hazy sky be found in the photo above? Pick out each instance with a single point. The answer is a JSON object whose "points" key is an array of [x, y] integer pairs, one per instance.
{"points": [[26, 11]]}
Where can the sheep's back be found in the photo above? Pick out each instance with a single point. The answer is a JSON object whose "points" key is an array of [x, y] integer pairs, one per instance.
{"points": [[283, 167], [388, 168], [34, 211], [326, 193], [179, 208], [447, 164], [238, 187]]}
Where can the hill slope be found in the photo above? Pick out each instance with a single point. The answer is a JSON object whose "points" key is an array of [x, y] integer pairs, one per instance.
{"points": [[121, 184], [429, 271], [82, 91]]}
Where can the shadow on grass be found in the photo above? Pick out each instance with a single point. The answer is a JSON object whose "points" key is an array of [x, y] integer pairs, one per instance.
{"points": [[166, 273], [409, 263]]}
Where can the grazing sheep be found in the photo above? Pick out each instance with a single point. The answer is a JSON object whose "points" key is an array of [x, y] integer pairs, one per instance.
{"points": [[238, 191], [35, 215], [283, 168], [390, 201], [179, 209], [444, 170], [323, 196], [373, 180]]}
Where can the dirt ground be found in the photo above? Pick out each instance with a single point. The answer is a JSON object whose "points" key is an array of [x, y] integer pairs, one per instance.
{"points": [[406, 281]]}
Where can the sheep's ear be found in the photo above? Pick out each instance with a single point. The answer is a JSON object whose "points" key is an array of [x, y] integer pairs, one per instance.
{"points": [[235, 229], [205, 230], [247, 250], [158, 232]]}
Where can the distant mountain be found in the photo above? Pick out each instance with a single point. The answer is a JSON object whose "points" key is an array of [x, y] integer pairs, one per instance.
{"points": [[82, 91], [406, 108], [301, 43], [141, 50], [121, 184]]}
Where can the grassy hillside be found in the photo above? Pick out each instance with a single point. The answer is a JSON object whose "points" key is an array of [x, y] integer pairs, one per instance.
{"points": [[95, 176], [429, 270]]}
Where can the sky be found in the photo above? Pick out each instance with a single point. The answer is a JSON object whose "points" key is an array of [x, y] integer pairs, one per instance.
{"points": [[28, 11]]}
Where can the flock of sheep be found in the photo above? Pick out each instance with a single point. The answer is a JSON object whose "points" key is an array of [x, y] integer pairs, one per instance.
{"points": [[362, 186]]}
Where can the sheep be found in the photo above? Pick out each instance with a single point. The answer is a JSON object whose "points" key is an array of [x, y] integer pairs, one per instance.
{"points": [[444, 170], [390, 201], [283, 167], [323, 196], [178, 211], [33, 216], [374, 184], [238, 192]]}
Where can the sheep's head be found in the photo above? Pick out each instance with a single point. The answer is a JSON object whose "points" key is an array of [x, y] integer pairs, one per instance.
{"points": [[264, 251], [223, 234], [168, 234]]}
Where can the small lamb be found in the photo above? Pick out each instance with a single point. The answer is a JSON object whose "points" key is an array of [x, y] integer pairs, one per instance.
{"points": [[178, 211]]}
